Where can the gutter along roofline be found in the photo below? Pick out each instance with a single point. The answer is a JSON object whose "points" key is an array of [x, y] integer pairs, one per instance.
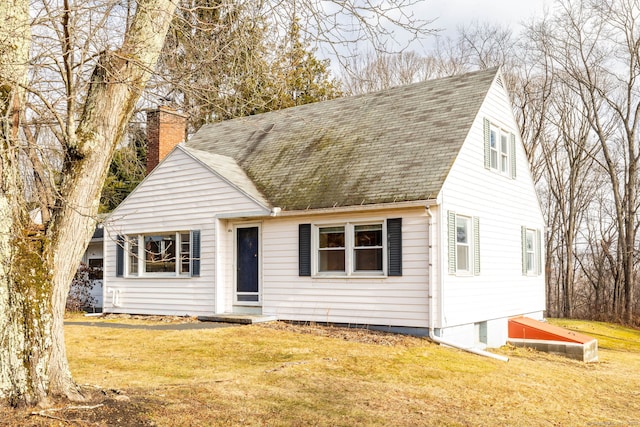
{"points": [[357, 208]]}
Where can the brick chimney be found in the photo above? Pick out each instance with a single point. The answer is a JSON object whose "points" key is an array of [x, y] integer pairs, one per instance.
{"points": [[166, 128]]}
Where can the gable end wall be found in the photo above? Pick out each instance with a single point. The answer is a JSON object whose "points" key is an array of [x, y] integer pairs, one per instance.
{"points": [[180, 195], [502, 205]]}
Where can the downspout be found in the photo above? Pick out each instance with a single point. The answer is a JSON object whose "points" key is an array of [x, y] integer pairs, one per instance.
{"points": [[431, 275], [432, 335]]}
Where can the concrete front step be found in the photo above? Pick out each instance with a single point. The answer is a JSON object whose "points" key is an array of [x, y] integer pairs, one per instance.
{"points": [[245, 319]]}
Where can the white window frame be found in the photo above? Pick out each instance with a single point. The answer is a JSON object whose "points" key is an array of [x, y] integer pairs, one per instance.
{"points": [[469, 245], [472, 244], [138, 241], [499, 151], [531, 268], [349, 250]]}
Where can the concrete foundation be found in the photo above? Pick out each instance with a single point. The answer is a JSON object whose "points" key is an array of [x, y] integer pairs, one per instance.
{"points": [[587, 352]]}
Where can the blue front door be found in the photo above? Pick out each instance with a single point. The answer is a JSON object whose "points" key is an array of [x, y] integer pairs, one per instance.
{"points": [[247, 259]]}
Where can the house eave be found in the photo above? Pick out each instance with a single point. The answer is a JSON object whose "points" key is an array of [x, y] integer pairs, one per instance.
{"points": [[248, 214], [356, 208], [277, 212]]}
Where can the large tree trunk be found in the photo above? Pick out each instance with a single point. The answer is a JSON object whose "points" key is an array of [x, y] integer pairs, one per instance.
{"points": [[24, 329], [37, 265]]}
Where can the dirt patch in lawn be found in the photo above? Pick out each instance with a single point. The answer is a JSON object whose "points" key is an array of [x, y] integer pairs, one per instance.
{"points": [[102, 408], [361, 335], [133, 407], [140, 318]]}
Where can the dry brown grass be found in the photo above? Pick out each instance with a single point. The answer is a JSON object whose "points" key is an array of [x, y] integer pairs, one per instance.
{"points": [[283, 375]]}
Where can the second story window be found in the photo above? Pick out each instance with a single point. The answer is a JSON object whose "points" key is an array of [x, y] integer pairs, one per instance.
{"points": [[499, 147]]}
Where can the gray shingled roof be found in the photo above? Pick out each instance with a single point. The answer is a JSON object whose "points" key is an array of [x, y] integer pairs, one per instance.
{"points": [[390, 146]]}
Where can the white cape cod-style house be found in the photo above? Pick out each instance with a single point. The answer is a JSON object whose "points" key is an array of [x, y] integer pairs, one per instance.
{"points": [[411, 209]]}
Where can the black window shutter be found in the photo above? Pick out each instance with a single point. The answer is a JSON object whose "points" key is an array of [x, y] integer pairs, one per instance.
{"points": [[120, 256], [304, 249], [195, 253], [394, 246]]}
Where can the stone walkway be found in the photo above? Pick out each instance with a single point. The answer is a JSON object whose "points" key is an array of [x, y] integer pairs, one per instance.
{"points": [[204, 322], [167, 327]]}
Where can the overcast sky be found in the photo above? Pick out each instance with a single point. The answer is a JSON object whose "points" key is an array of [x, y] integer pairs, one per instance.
{"points": [[451, 14]]}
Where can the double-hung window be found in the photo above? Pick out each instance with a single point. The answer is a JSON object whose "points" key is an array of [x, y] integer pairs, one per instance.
{"points": [[351, 249], [368, 247], [500, 147], [530, 240], [172, 254], [134, 255], [331, 249], [464, 244], [531, 251]]}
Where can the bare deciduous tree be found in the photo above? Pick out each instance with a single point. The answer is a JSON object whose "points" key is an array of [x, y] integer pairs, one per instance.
{"points": [[477, 46], [594, 48], [573, 80], [378, 71], [38, 261], [63, 112]]}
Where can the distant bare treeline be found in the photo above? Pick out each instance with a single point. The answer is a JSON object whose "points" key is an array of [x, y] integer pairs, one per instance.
{"points": [[574, 78]]}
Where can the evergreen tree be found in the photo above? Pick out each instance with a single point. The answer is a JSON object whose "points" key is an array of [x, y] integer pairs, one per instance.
{"points": [[223, 62], [226, 59], [127, 170], [305, 78]]}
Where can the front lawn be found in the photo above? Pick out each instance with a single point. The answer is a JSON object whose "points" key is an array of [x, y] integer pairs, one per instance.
{"points": [[283, 375]]}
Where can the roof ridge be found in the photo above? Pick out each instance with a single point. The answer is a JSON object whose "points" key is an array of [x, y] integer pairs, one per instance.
{"points": [[387, 146], [487, 71]]}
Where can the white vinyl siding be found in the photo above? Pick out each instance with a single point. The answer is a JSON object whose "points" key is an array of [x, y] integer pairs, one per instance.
{"points": [[366, 300], [181, 194], [502, 206]]}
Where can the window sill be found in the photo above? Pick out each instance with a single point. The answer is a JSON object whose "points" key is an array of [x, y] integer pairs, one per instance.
{"points": [[464, 274], [350, 276], [247, 303], [500, 173], [160, 276]]}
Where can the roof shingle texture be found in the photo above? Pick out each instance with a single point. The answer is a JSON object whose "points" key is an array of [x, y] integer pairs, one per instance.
{"points": [[390, 146]]}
